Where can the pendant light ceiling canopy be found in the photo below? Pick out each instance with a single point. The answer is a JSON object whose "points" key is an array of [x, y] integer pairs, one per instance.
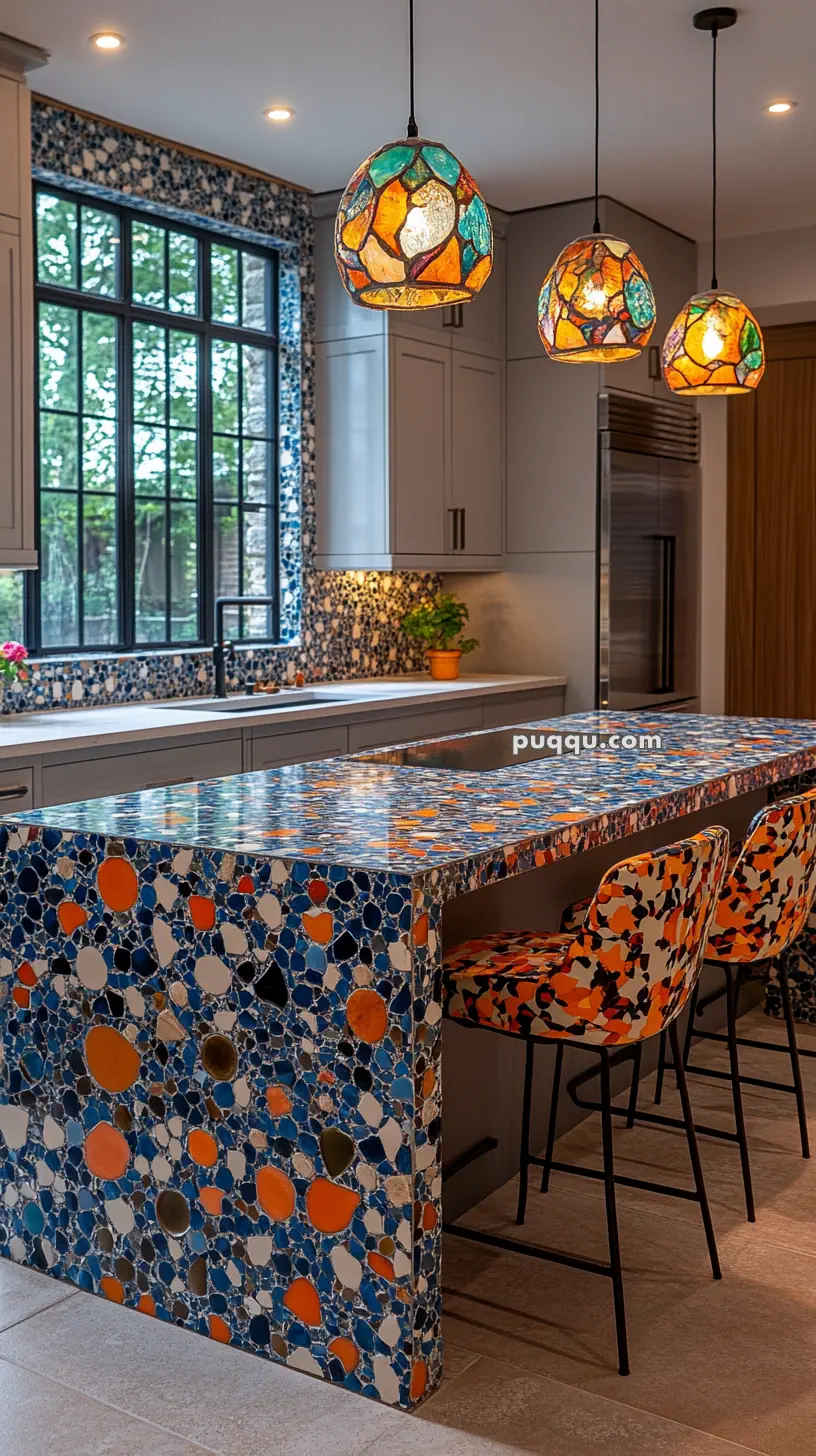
{"points": [[413, 230], [596, 304], [715, 344]]}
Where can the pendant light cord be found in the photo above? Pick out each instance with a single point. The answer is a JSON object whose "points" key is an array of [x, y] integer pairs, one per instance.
{"points": [[714, 34], [596, 226], [413, 129]]}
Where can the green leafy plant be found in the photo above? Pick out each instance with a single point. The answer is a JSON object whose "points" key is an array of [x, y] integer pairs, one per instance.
{"points": [[438, 623]]}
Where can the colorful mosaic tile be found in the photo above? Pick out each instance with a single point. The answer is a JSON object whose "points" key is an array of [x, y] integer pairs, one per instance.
{"points": [[335, 624], [221, 1027]]}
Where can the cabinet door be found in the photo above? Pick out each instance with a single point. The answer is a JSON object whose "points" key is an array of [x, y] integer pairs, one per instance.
{"points": [[127, 773], [420, 446], [10, 196], [16, 428], [352, 463], [478, 454]]}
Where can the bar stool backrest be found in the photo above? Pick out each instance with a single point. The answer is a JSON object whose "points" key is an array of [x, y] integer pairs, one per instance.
{"points": [[767, 893], [635, 961]]}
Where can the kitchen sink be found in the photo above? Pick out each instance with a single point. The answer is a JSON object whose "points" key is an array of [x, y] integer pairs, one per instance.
{"points": [[258, 702]]}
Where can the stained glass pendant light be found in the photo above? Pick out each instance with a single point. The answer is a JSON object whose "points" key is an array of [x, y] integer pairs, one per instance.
{"points": [[413, 230], [596, 303], [715, 344]]}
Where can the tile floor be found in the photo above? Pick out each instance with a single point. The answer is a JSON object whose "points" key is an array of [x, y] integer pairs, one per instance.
{"points": [[719, 1369]]}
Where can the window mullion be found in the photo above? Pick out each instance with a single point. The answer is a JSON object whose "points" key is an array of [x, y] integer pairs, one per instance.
{"points": [[125, 471]]}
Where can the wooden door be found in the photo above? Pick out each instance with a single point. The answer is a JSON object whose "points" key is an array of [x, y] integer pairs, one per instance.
{"points": [[771, 577]]}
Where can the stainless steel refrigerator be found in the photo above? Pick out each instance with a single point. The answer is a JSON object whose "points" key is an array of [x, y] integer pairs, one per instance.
{"points": [[648, 553]]}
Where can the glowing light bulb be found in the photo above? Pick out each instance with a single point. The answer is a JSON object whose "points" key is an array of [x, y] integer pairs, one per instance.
{"points": [[106, 40], [712, 342], [594, 299]]}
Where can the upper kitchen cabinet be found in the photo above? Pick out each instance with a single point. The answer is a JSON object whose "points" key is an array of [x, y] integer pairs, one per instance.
{"points": [[410, 426], [17, 520]]}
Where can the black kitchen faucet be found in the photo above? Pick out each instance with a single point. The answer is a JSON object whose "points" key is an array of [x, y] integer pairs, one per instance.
{"points": [[220, 646]]}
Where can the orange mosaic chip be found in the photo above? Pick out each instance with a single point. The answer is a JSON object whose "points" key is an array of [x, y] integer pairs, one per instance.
{"points": [[211, 1200], [219, 1330], [346, 1352], [419, 1379], [71, 916], [106, 1152], [202, 911], [330, 1207], [276, 1193], [203, 1148], [301, 1299], [367, 1014], [278, 1102], [118, 884], [112, 1289], [112, 1062]]}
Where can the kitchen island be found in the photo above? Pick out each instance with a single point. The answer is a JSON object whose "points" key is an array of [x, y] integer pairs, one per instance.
{"points": [[221, 1016]]}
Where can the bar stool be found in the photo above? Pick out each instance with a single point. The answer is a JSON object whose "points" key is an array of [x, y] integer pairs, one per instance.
{"points": [[624, 976], [762, 908]]}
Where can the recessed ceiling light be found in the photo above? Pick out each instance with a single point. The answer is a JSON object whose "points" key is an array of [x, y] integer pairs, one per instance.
{"points": [[778, 108], [107, 40], [279, 113]]}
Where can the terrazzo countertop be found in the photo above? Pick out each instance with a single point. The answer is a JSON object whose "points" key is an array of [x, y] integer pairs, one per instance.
{"points": [[406, 820], [70, 729]]}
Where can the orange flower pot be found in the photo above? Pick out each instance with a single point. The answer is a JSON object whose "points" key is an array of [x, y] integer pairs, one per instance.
{"points": [[444, 664]]}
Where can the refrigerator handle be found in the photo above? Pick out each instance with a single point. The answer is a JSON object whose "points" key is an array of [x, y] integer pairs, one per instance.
{"points": [[668, 560]]}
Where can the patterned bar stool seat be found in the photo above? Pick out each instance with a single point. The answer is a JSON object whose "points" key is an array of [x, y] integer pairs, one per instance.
{"points": [[624, 975], [762, 908]]}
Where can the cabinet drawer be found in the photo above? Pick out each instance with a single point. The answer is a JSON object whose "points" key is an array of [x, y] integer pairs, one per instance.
{"points": [[93, 778], [409, 726], [16, 790], [523, 708], [275, 750]]}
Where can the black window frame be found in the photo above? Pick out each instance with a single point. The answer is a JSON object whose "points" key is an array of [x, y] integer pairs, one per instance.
{"points": [[206, 330]]}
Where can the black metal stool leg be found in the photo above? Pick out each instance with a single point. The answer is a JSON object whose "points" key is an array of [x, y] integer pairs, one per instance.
{"points": [[732, 1001], [661, 1071], [556, 1088], [692, 1012], [784, 987], [694, 1151], [524, 1157], [635, 1087], [612, 1215]]}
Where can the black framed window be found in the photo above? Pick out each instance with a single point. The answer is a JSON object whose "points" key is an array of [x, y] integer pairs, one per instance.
{"points": [[157, 430]]}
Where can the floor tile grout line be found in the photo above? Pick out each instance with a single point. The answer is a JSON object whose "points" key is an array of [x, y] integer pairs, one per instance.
{"points": [[737, 1447], [32, 1314], [195, 1446]]}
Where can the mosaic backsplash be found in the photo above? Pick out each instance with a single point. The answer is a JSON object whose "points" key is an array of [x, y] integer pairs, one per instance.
{"points": [[351, 628], [335, 625]]}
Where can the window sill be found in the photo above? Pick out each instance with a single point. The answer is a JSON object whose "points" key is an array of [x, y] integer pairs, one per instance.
{"points": [[143, 654]]}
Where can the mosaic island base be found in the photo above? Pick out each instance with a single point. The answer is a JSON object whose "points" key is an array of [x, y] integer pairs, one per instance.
{"points": [[221, 1017]]}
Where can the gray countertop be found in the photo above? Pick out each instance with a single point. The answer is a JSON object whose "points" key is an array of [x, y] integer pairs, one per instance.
{"points": [[37, 734]]}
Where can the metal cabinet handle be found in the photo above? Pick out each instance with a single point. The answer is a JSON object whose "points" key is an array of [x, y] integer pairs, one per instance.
{"points": [[454, 520], [456, 319], [654, 362], [15, 791], [165, 784], [462, 529]]}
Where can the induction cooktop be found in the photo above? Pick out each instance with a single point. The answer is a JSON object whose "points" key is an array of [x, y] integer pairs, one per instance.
{"points": [[482, 752]]}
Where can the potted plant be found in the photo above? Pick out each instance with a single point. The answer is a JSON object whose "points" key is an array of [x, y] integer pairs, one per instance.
{"points": [[437, 625], [12, 657]]}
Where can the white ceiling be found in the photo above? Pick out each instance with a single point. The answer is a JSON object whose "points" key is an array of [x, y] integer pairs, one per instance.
{"points": [[506, 83]]}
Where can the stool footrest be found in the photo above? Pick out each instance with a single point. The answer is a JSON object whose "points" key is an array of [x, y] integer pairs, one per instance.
{"points": [[518, 1246], [625, 1182]]}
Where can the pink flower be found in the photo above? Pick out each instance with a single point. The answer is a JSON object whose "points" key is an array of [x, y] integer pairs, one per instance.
{"points": [[13, 651]]}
